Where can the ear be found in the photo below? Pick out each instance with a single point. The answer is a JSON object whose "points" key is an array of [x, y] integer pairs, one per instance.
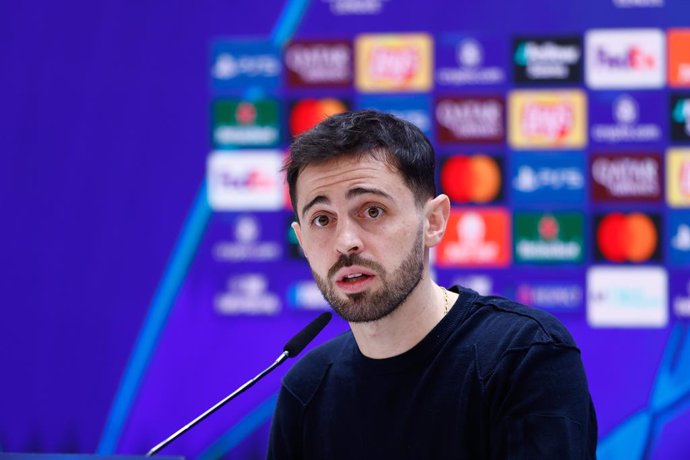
{"points": [[436, 213], [298, 233]]}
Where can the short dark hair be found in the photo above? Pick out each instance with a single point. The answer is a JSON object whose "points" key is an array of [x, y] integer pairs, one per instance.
{"points": [[397, 142]]}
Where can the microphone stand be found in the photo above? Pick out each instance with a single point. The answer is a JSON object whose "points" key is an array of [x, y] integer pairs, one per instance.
{"points": [[219, 404]]}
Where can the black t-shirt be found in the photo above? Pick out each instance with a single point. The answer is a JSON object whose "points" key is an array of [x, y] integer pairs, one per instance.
{"points": [[492, 380]]}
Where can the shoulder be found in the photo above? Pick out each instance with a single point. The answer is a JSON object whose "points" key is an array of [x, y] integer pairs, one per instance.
{"points": [[305, 377], [500, 327], [517, 324]]}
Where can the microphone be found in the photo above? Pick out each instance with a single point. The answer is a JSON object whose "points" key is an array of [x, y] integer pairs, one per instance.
{"points": [[290, 350]]}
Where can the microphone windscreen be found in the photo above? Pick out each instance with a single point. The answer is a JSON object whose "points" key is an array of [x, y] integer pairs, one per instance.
{"points": [[306, 335]]}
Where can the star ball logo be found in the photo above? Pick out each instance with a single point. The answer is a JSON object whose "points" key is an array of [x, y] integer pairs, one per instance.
{"points": [[478, 237], [631, 237], [472, 178], [547, 119]]}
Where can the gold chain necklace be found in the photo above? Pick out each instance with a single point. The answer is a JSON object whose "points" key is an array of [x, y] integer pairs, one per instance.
{"points": [[445, 301]]}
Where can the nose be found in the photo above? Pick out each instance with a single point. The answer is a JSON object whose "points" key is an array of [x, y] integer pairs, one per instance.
{"points": [[347, 238]]}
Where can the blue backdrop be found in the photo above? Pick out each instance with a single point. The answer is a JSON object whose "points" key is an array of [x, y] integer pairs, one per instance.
{"points": [[112, 331]]}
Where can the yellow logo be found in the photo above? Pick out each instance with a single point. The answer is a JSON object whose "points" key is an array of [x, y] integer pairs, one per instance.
{"points": [[393, 63], [547, 119], [678, 178]]}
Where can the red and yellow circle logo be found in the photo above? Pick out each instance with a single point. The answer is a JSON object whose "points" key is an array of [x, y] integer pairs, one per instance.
{"points": [[627, 238], [471, 179], [307, 113]]}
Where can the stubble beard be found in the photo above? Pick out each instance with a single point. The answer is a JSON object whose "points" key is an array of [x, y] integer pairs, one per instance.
{"points": [[368, 305]]}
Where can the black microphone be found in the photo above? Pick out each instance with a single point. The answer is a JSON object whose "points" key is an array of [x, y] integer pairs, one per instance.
{"points": [[290, 350]]}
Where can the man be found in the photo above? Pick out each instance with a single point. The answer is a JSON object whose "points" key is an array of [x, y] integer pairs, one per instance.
{"points": [[425, 372]]}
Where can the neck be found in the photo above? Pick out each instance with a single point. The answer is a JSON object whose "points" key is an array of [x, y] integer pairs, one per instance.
{"points": [[407, 325]]}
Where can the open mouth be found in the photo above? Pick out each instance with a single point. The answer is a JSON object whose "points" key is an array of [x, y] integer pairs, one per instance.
{"points": [[354, 277]]}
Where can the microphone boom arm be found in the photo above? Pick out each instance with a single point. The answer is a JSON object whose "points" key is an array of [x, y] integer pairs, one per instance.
{"points": [[218, 405]]}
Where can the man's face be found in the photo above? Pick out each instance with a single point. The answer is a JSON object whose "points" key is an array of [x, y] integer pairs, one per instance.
{"points": [[363, 235]]}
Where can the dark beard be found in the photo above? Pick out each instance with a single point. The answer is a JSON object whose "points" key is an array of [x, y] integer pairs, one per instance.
{"points": [[366, 306]]}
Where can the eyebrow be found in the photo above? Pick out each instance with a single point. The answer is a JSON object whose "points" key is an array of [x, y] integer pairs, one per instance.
{"points": [[357, 191]]}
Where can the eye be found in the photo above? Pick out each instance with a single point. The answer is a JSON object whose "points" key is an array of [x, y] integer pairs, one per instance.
{"points": [[321, 220], [373, 212]]}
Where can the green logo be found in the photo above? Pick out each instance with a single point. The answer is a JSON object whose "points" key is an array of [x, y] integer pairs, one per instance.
{"points": [[241, 123], [545, 238]]}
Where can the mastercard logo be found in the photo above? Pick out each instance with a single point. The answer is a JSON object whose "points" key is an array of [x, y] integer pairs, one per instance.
{"points": [[627, 238], [471, 179], [307, 113]]}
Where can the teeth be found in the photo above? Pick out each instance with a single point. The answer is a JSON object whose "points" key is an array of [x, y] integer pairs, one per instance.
{"points": [[354, 275]]}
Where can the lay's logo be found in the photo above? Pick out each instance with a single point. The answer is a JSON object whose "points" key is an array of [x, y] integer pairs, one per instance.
{"points": [[547, 119], [399, 65], [678, 177], [392, 63]]}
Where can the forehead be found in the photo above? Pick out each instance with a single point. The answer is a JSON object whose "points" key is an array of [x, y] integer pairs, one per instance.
{"points": [[344, 173]]}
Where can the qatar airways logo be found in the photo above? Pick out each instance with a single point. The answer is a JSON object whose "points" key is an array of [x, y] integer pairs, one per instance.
{"points": [[319, 63], [470, 119], [625, 58], [551, 121], [626, 177]]}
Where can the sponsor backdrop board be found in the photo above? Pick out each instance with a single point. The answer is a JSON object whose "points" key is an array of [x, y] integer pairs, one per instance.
{"points": [[563, 142], [562, 151]]}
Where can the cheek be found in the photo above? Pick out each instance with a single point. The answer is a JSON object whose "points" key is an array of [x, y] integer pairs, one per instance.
{"points": [[315, 248]]}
